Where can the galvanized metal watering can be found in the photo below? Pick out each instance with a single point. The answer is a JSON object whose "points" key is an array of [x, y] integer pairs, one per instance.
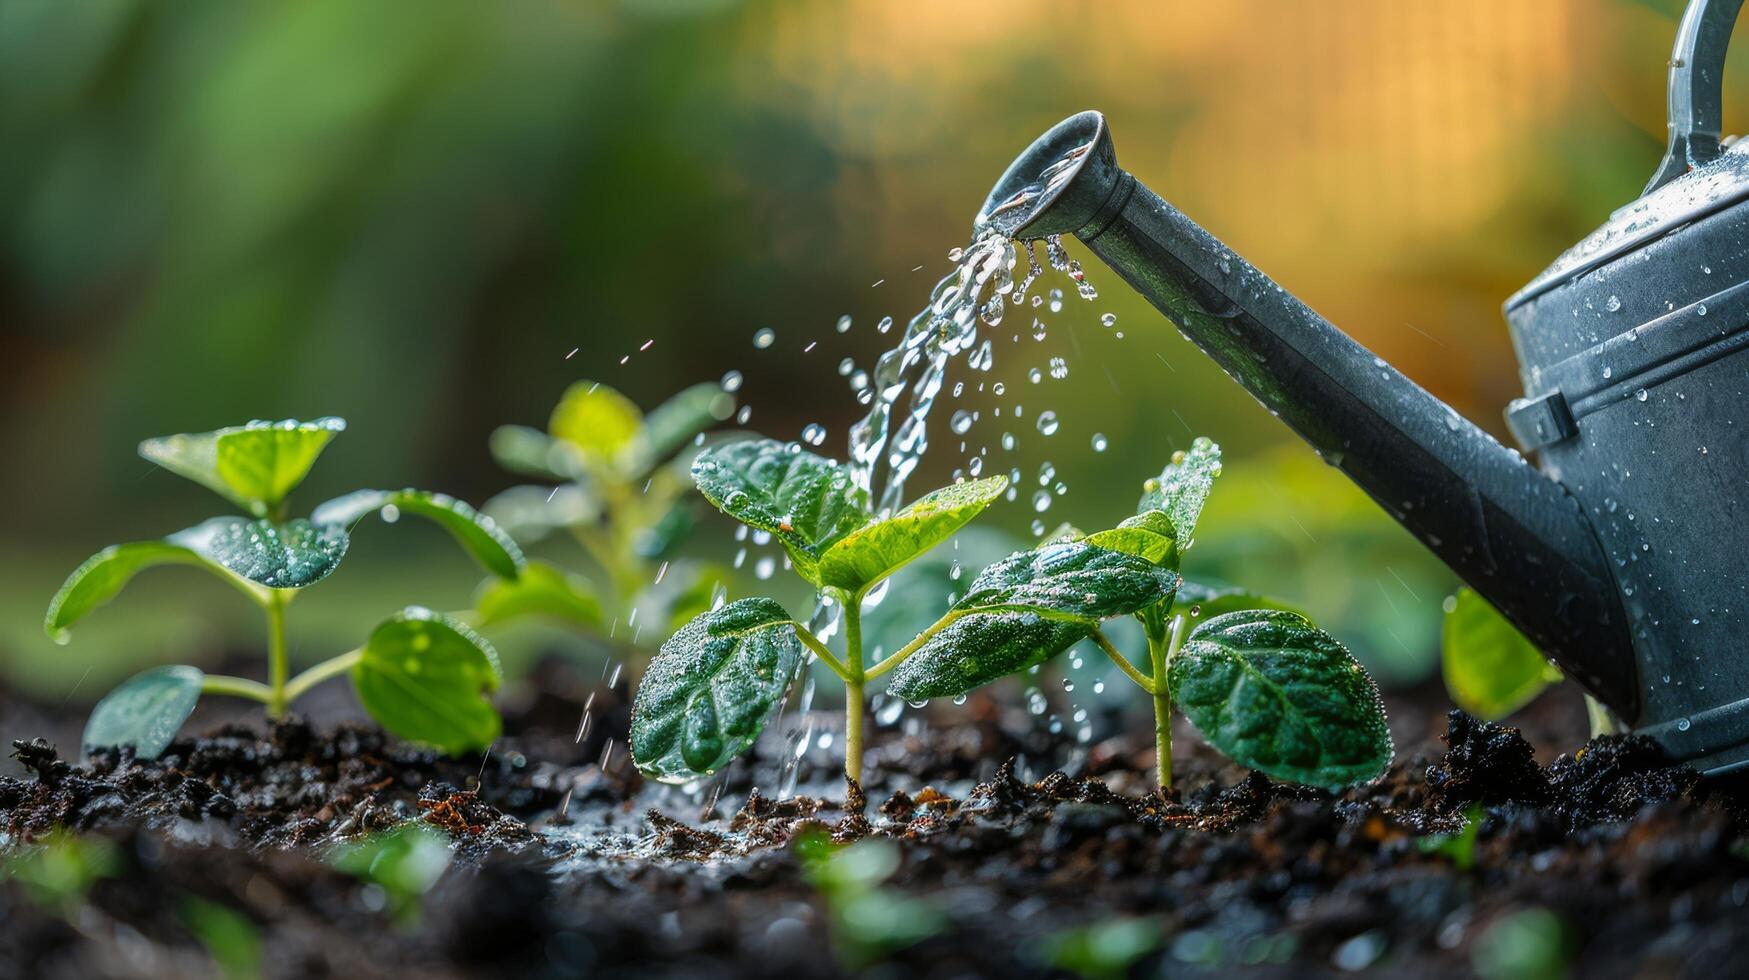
{"points": [[1624, 553]]}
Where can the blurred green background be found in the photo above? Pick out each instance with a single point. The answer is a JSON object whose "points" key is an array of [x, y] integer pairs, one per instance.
{"points": [[410, 214]]}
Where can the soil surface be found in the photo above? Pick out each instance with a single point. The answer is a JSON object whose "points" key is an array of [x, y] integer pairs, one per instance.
{"points": [[987, 847]]}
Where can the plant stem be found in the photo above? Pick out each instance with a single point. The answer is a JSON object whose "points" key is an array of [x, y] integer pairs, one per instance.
{"points": [[1161, 655], [240, 687], [278, 666], [1141, 680], [853, 685], [813, 643], [323, 671]]}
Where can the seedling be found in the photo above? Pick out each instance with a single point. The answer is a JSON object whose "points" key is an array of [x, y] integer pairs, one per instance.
{"points": [[616, 482], [1264, 686], [709, 691], [423, 675], [1491, 669]]}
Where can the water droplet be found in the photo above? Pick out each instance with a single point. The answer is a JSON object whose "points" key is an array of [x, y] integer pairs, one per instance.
{"points": [[732, 381], [1047, 422], [764, 337], [1612, 304], [959, 699], [765, 567], [1683, 724], [1056, 300], [1041, 501], [1035, 375], [1059, 368], [961, 423], [955, 254], [885, 325], [1608, 371], [844, 323], [1109, 319], [1068, 684], [1700, 310], [1640, 395], [1099, 442], [1038, 326], [814, 434], [846, 366]]}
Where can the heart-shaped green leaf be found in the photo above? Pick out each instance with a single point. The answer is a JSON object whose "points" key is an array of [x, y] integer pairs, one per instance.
{"points": [[426, 677], [1491, 669], [292, 555], [1204, 602], [708, 693], [1275, 693], [875, 551], [99, 578], [478, 534], [978, 648], [675, 422], [1025, 609], [541, 590], [1183, 487], [807, 502], [144, 711], [599, 422], [1149, 536], [254, 465]]}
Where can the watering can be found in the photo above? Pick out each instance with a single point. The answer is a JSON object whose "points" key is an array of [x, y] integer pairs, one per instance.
{"points": [[1623, 553]]}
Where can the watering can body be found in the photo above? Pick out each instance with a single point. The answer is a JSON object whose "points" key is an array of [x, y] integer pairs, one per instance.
{"points": [[1622, 552]]}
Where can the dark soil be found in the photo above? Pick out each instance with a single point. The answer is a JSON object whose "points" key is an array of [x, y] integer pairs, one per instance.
{"points": [[563, 866]]}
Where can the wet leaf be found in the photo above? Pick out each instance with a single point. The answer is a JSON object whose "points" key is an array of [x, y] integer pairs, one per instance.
{"points": [[292, 555], [99, 578], [144, 711], [254, 465], [1491, 669], [1277, 694], [1183, 487], [706, 696], [875, 551], [675, 422], [807, 502], [596, 420], [541, 590], [1149, 535], [531, 452], [427, 678], [479, 535], [1025, 609]]}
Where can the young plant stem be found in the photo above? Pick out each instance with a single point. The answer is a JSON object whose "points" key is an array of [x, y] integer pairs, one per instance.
{"points": [[239, 687], [278, 665], [319, 673], [853, 684], [1161, 650]]}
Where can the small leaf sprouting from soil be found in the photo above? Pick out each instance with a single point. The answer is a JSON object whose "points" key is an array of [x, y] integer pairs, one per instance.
{"points": [[1183, 487], [1025, 609], [478, 534], [254, 465], [1277, 694], [292, 555], [541, 590], [707, 694], [1491, 669], [874, 551], [807, 502], [144, 711], [426, 677]]}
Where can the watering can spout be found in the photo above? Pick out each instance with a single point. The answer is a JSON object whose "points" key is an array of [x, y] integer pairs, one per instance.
{"points": [[1515, 535]]}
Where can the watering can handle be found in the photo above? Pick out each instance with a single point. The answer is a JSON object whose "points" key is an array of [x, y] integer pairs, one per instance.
{"points": [[1697, 69]]}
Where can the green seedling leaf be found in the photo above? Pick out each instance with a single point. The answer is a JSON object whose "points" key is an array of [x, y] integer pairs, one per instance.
{"points": [[1183, 487], [1491, 669], [875, 551], [530, 513], [1277, 694], [405, 862], [978, 648], [661, 539], [99, 578], [541, 590], [61, 868], [144, 711], [1062, 532], [1204, 602], [230, 937], [1025, 609], [1459, 848], [531, 452], [1149, 536], [426, 677], [292, 555], [807, 502], [708, 692], [254, 465], [478, 534], [596, 420], [675, 422], [1098, 951]]}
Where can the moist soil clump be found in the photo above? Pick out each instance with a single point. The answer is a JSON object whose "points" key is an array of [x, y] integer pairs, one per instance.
{"points": [[993, 849]]}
